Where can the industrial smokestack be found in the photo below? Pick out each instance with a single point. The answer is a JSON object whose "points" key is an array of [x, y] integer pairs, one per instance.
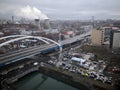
{"points": [[47, 24], [37, 24], [92, 21], [13, 19]]}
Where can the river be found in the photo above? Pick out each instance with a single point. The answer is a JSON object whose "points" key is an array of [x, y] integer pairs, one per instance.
{"points": [[38, 81]]}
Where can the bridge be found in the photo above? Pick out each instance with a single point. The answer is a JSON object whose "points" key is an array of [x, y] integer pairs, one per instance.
{"points": [[46, 46]]}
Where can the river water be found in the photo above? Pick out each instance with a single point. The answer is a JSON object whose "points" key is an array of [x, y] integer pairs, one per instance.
{"points": [[38, 81]]}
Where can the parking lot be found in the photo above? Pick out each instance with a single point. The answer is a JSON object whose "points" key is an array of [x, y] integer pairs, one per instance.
{"points": [[90, 69]]}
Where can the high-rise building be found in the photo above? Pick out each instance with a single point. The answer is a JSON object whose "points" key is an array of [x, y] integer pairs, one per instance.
{"points": [[115, 39], [98, 37]]}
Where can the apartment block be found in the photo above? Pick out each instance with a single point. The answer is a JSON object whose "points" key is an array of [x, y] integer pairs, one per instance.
{"points": [[115, 39], [97, 37]]}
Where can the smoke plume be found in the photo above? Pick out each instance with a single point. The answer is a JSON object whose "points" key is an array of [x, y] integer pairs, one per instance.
{"points": [[31, 13]]}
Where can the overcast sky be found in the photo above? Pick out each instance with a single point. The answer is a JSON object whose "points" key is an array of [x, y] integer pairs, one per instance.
{"points": [[61, 9]]}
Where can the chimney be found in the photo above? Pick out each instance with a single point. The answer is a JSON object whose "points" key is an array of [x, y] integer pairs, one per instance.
{"points": [[13, 19], [92, 20], [47, 24], [37, 23]]}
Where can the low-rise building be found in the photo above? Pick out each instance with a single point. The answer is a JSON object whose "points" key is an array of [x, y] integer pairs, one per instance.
{"points": [[79, 61], [68, 34], [1, 34]]}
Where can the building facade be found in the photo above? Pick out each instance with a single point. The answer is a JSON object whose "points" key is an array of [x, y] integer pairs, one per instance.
{"points": [[115, 39], [98, 37]]}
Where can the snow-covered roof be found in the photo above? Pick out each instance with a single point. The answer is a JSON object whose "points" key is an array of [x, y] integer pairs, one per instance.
{"points": [[78, 59]]}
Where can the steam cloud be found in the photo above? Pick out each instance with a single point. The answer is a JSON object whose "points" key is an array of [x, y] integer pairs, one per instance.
{"points": [[31, 13]]}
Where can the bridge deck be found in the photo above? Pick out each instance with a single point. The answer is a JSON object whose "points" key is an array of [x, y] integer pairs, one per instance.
{"points": [[24, 53], [21, 54]]}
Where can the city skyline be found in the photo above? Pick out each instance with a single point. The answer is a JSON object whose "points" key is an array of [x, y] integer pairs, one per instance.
{"points": [[63, 9]]}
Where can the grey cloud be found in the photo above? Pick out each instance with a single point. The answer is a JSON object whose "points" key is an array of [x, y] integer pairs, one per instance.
{"points": [[64, 9]]}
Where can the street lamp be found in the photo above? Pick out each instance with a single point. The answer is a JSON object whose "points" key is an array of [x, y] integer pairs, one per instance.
{"points": [[60, 54]]}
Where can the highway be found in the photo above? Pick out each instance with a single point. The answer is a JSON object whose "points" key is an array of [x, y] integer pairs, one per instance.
{"points": [[75, 38], [24, 53]]}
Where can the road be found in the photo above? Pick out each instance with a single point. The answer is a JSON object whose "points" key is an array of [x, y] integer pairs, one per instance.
{"points": [[75, 38], [24, 53], [21, 54]]}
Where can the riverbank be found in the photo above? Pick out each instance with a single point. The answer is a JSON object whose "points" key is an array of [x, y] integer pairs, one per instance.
{"points": [[39, 81], [62, 77], [75, 80]]}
